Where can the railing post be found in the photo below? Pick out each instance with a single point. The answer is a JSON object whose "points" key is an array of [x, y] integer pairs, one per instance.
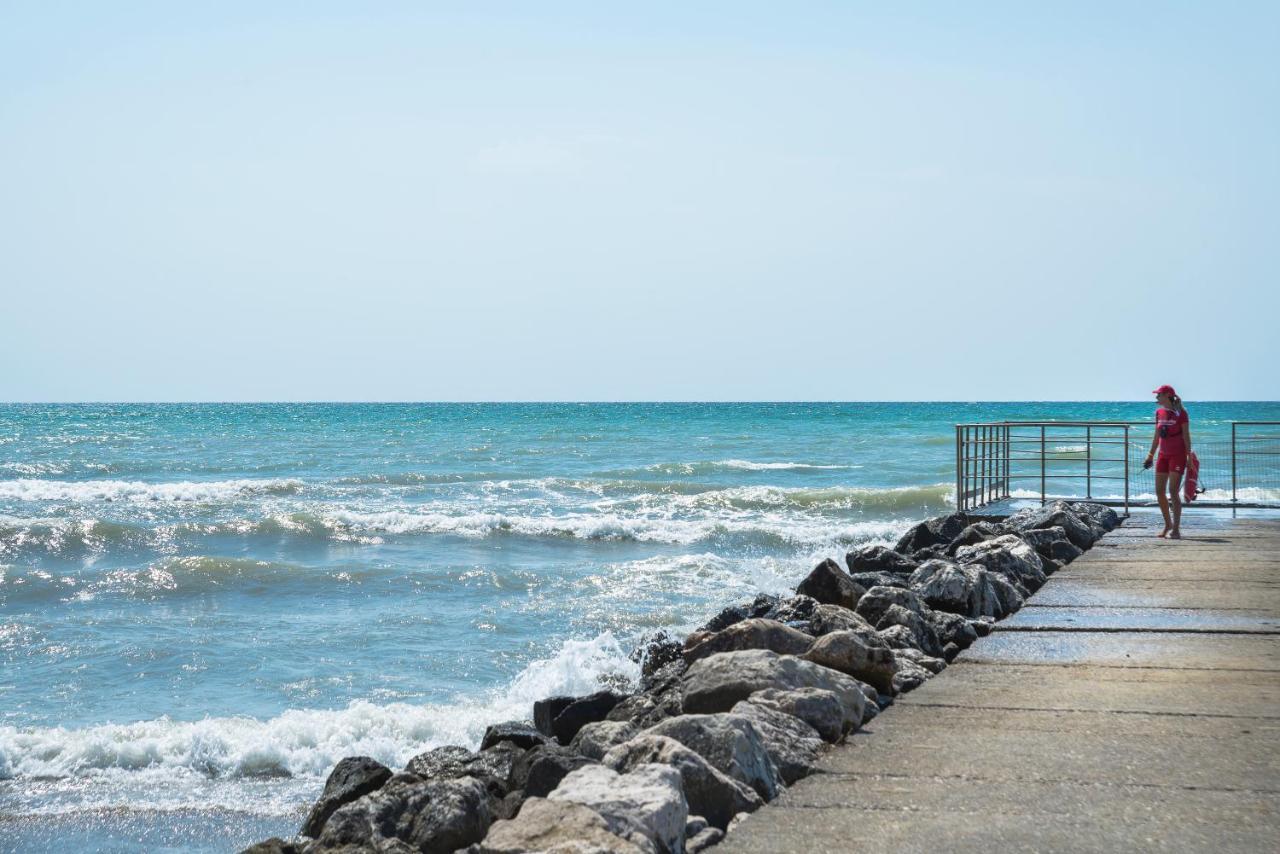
{"points": [[1088, 462], [1042, 464], [1233, 462], [1006, 461], [1126, 471], [959, 474]]}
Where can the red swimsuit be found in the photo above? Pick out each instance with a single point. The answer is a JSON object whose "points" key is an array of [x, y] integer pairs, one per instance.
{"points": [[1173, 443]]}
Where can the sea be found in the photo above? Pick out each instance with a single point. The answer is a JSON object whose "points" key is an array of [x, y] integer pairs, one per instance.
{"points": [[203, 607]]}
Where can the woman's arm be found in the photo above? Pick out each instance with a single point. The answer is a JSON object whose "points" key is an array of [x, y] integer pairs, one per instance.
{"points": [[1155, 440], [1186, 436]]}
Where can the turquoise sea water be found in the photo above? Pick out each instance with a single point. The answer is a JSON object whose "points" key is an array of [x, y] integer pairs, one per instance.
{"points": [[203, 607]]}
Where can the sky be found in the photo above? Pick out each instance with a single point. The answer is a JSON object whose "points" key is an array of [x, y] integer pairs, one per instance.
{"points": [[655, 201]]}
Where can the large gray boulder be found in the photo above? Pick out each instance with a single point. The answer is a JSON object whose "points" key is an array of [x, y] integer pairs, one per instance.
{"points": [[352, 778], [647, 802], [819, 708], [976, 533], [411, 814], [861, 654], [879, 559], [538, 771], [830, 584], [597, 739], [583, 711], [938, 531], [1060, 514], [793, 745], [1104, 516], [562, 827], [1009, 556], [491, 767], [522, 734], [710, 792], [716, 683], [730, 743], [754, 633], [1052, 543], [967, 589], [834, 618]]}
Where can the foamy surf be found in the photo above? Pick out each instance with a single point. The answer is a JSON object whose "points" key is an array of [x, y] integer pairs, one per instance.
{"points": [[86, 491], [299, 743]]}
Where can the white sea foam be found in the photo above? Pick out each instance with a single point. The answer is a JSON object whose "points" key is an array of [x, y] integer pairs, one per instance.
{"points": [[85, 491], [298, 743], [749, 465]]}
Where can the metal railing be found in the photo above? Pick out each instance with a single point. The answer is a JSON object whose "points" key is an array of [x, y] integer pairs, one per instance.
{"points": [[1100, 461]]}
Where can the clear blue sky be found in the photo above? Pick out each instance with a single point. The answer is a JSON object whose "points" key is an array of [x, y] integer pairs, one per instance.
{"points": [[475, 201]]}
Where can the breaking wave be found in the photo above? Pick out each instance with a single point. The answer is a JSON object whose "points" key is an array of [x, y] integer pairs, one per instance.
{"points": [[304, 742], [87, 491]]}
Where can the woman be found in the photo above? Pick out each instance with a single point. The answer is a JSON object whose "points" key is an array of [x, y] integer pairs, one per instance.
{"points": [[1173, 435]]}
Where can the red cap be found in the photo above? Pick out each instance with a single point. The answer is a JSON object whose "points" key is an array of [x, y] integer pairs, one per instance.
{"points": [[1166, 389]]}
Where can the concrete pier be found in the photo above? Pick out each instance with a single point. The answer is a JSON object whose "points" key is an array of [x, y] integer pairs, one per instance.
{"points": [[1132, 705]]}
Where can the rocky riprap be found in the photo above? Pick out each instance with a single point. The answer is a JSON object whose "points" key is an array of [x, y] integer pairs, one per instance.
{"points": [[723, 720]]}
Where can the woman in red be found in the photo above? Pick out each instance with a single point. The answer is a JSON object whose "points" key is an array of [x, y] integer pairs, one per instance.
{"points": [[1173, 435]]}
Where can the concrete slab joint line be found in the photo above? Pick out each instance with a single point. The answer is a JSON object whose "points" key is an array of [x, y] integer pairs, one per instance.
{"points": [[1134, 710]]}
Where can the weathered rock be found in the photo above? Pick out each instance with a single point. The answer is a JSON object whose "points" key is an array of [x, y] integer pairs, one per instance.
{"points": [[975, 533], [274, 845], [441, 815], [664, 676], [828, 583], [539, 770], [922, 633], [561, 827], [352, 778], [1107, 518], [716, 683], [582, 711], [794, 612], [910, 676], [1063, 553], [545, 711], [707, 838], [877, 601], [939, 531], [709, 792], [834, 618], [729, 743], [1058, 514], [793, 745], [753, 633], [1007, 594], [694, 824], [879, 579], [819, 708], [645, 710], [596, 739], [951, 629], [860, 654], [1009, 556], [520, 733], [491, 767], [879, 559], [656, 651], [759, 607], [915, 656], [648, 800], [945, 586]]}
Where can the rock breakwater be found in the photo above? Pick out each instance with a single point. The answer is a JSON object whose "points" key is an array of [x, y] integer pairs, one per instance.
{"points": [[721, 721]]}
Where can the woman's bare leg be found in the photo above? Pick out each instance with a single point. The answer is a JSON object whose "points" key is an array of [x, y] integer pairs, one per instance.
{"points": [[1162, 478], [1175, 499]]}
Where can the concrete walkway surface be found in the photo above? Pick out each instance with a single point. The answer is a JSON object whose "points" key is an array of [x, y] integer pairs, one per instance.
{"points": [[1132, 705]]}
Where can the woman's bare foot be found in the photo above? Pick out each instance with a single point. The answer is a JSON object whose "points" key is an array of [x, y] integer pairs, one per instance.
{"points": [[1163, 533], [1175, 534]]}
